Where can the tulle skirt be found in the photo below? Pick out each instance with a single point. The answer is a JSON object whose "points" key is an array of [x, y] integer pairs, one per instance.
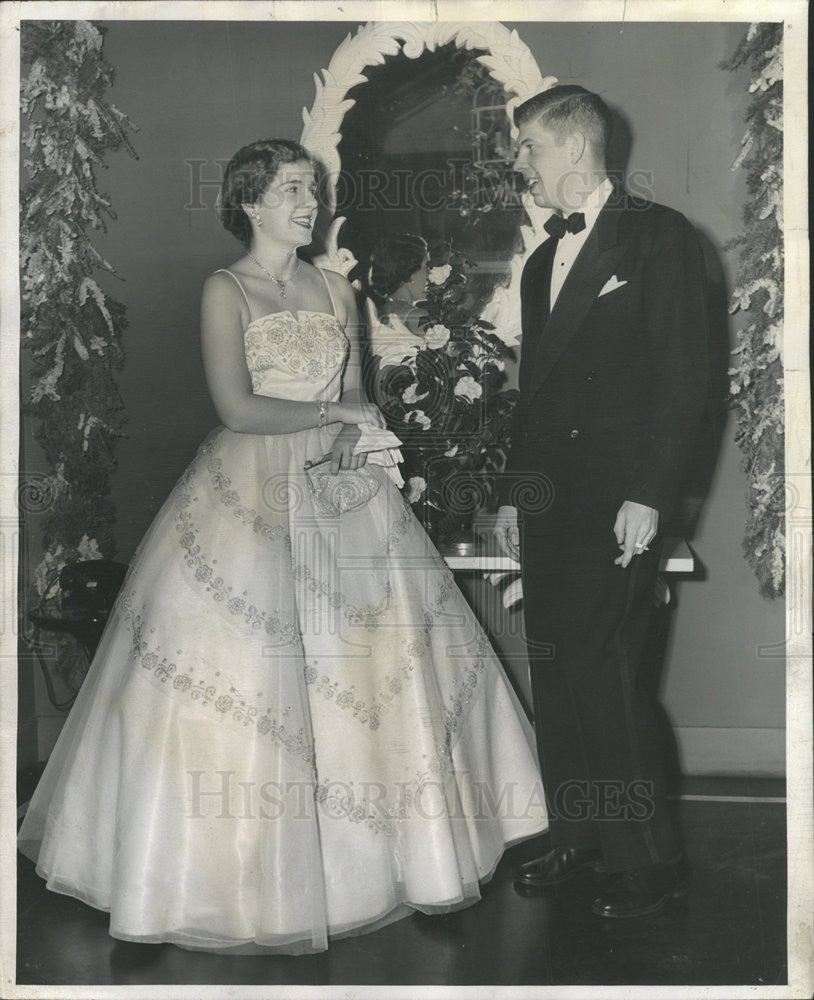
{"points": [[293, 728]]}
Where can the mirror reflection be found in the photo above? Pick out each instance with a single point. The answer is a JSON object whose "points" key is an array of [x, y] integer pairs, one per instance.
{"points": [[426, 150]]}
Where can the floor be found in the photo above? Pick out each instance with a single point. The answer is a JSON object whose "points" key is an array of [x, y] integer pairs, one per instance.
{"points": [[731, 929]]}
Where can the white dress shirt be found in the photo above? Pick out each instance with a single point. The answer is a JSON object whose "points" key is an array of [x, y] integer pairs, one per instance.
{"points": [[571, 243]]}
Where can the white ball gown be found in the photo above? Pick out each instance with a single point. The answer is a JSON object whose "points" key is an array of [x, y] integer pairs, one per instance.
{"points": [[294, 727]]}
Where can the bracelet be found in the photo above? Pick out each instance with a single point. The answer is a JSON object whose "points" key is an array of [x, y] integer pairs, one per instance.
{"points": [[322, 406]]}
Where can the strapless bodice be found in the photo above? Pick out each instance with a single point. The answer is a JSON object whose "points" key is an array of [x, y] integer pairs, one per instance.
{"points": [[296, 356]]}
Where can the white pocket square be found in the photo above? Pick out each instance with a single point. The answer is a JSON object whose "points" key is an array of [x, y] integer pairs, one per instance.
{"points": [[611, 285]]}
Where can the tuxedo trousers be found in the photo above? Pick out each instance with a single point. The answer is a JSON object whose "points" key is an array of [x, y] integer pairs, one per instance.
{"points": [[599, 730]]}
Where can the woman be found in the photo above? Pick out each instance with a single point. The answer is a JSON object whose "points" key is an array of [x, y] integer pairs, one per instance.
{"points": [[395, 280], [397, 277], [293, 727]]}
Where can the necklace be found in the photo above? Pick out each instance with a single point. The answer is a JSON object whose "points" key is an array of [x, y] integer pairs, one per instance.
{"points": [[279, 282]]}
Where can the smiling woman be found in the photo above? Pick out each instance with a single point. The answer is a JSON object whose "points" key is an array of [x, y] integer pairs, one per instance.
{"points": [[268, 201], [253, 173], [288, 642]]}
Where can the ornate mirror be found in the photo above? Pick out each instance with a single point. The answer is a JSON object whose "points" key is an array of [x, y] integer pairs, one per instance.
{"points": [[408, 116]]}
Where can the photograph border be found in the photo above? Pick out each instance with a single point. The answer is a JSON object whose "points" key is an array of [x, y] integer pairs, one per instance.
{"points": [[797, 424]]}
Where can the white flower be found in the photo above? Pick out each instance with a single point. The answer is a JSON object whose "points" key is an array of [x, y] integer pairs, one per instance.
{"points": [[468, 389], [420, 418], [415, 488], [453, 451], [438, 275], [437, 336], [409, 394]]}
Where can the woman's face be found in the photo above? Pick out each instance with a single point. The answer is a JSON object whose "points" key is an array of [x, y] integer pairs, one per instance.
{"points": [[287, 208], [418, 282]]}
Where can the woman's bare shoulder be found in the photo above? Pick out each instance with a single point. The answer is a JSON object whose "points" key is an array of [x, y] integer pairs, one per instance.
{"points": [[223, 296], [339, 284], [224, 277]]}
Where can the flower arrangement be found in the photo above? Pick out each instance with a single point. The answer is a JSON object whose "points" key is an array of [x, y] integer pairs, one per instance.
{"points": [[441, 391]]}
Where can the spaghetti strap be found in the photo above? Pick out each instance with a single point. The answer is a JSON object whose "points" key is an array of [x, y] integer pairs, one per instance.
{"points": [[240, 286], [330, 293]]}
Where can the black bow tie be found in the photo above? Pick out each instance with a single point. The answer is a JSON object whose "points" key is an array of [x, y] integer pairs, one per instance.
{"points": [[557, 226]]}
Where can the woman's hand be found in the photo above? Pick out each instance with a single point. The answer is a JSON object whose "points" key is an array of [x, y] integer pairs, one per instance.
{"points": [[342, 456]]}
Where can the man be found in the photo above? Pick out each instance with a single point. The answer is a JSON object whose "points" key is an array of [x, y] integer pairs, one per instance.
{"points": [[613, 375]]}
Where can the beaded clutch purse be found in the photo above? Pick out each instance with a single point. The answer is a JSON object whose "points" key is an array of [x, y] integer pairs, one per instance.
{"points": [[347, 490]]}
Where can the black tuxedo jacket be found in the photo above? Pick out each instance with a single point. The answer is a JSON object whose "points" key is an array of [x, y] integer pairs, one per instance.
{"points": [[613, 381]]}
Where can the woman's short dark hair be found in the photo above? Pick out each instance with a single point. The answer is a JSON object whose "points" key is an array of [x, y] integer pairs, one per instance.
{"points": [[394, 261], [248, 175]]}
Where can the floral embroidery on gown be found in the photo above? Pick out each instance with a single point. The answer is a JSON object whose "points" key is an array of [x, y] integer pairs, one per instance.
{"points": [[294, 727]]}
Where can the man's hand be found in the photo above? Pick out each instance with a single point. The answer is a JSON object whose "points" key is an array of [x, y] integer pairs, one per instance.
{"points": [[342, 456], [635, 528], [507, 532]]}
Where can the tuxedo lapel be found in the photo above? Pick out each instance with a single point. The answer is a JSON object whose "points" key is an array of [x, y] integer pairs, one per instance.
{"points": [[594, 265], [535, 295]]}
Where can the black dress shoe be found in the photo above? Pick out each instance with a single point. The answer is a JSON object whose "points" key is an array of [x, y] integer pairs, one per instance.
{"points": [[556, 867], [640, 891]]}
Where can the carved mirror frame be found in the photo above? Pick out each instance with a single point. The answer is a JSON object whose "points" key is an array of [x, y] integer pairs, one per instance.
{"points": [[508, 60]]}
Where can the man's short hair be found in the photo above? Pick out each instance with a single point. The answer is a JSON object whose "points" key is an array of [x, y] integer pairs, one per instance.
{"points": [[569, 108]]}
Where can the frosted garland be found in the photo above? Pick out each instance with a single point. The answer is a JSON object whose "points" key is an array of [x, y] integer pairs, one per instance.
{"points": [[756, 377], [70, 327]]}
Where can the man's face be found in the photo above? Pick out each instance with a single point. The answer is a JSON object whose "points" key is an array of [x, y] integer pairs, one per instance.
{"points": [[547, 166]]}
